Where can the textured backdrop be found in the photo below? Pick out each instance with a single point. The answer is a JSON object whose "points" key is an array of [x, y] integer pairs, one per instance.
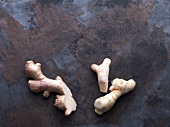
{"points": [[66, 37]]}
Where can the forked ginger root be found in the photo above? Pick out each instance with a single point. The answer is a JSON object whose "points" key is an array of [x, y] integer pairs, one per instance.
{"points": [[43, 84], [102, 71], [118, 88]]}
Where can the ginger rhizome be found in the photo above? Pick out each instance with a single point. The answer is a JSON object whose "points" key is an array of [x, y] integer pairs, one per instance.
{"points": [[102, 71], [118, 88], [43, 84]]}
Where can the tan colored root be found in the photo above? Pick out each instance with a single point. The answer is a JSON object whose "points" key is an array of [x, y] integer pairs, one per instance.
{"points": [[119, 87], [102, 71], [43, 84]]}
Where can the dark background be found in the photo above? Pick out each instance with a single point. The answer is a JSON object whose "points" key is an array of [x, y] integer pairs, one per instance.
{"points": [[66, 37]]}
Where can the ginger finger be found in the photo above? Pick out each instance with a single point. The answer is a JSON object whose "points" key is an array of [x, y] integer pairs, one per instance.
{"points": [[43, 84], [118, 88], [103, 74]]}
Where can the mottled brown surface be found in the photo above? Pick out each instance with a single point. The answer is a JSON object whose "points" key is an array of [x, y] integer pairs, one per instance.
{"points": [[66, 37]]}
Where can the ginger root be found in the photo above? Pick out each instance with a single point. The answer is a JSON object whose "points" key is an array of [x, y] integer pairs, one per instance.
{"points": [[118, 88], [102, 71], [43, 84]]}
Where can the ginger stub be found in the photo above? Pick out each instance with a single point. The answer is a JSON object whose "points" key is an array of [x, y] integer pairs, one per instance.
{"points": [[118, 88], [102, 71], [66, 103], [43, 84]]}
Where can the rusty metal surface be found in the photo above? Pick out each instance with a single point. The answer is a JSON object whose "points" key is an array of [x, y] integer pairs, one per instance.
{"points": [[67, 36]]}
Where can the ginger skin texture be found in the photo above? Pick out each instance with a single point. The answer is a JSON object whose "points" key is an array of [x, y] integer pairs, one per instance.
{"points": [[43, 84], [102, 71], [118, 88]]}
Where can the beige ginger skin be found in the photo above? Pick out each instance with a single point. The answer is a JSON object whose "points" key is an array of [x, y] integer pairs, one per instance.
{"points": [[102, 71], [43, 84], [118, 88]]}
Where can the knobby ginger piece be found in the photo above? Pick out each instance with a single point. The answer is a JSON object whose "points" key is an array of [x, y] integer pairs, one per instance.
{"points": [[102, 71], [66, 103], [43, 84], [118, 88]]}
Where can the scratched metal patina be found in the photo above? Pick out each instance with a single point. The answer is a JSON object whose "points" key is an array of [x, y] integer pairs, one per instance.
{"points": [[67, 36]]}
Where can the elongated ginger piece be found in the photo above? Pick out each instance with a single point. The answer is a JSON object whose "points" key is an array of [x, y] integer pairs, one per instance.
{"points": [[43, 84], [118, 88], [102, 71]]}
